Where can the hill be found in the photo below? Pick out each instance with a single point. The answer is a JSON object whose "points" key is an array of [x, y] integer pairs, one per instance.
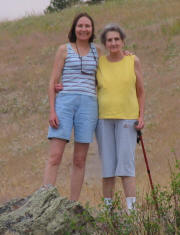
{"points": [[27, 49]]}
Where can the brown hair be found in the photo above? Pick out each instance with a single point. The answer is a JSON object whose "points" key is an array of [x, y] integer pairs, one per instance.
{"points": [[72, 35]]}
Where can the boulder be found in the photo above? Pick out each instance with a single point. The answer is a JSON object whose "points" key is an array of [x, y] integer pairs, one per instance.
{"points": [[45, 213]]}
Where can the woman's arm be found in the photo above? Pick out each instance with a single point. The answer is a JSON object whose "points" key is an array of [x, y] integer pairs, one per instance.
{"points": [[139, 91], [99, 50], [55, 76]]}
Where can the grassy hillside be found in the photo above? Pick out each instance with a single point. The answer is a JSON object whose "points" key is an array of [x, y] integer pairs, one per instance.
{"points": [[27, 49]]}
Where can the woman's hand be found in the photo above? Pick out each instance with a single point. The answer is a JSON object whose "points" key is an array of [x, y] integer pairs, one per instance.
{"points": [[140, 124], [126, 53], [58, 87], [53, 120]]}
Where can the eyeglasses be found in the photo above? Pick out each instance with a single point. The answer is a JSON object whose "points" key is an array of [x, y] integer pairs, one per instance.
{"points": [[81, 59]]}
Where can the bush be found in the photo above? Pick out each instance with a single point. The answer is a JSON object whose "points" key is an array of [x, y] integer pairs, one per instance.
{"points": [[57, 5], [95, 1], [146, 218]]}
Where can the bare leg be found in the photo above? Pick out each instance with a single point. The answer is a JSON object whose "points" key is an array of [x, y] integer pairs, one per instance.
{"points": [[78, 171], [129, 185], [108, 187], [56, 152]]}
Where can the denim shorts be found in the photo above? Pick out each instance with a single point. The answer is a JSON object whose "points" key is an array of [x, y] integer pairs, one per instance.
{"points": [[116, 140], [75, 111]]}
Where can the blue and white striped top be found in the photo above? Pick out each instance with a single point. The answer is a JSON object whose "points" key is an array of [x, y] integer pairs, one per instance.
{"points": [[73, 80]]}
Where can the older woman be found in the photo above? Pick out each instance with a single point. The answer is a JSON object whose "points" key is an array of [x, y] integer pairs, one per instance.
{"points": [[121, 104]]}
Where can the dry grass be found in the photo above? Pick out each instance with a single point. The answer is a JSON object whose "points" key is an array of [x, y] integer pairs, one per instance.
{"points": [[27, 49]]}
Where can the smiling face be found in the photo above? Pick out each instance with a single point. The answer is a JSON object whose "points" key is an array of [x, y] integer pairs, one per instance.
{"points": [[83, 29], [113, 43]]}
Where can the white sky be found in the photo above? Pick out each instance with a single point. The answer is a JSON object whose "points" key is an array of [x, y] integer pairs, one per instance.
{"points": [[13, 9]]}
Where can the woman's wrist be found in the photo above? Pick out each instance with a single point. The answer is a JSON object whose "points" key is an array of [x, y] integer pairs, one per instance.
{"points": [[52, 110], [141, 117]]}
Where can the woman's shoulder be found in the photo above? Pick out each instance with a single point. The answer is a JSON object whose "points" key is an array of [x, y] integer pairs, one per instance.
{"points": [[132, 58], [102, 58], [62, 50], [98, 48], [136, 60]]}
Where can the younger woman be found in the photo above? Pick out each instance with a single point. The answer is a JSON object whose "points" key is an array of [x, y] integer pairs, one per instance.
{"points": [[76, 105]]}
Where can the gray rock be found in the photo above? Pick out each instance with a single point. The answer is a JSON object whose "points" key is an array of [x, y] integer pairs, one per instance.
{"points": [[45, 213]]}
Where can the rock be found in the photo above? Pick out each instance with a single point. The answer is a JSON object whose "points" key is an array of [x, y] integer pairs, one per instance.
{"points": [[45, 213]]}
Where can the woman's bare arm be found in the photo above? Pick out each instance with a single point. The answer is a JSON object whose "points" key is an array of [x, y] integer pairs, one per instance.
{"points": [[99, 50], [139, 91], [55, 76]]}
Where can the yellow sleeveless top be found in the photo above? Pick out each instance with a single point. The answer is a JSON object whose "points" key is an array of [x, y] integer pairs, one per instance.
{"points": [[117, 89]]}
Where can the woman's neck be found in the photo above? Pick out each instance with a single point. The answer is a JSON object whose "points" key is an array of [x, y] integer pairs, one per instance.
{"points": [[83, 44], [82, 47], [114, 57]]}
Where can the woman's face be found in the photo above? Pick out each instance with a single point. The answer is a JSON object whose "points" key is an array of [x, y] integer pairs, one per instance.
{"points": [[83, 29], [114, 43]]}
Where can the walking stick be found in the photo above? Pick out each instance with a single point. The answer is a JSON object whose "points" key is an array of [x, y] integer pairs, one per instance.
{"points": [[140, 139]]}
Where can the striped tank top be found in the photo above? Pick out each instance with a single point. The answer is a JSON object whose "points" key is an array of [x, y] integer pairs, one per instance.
{"points": [[79, 72]]}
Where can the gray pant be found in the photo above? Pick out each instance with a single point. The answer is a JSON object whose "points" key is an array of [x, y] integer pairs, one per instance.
{"points": [[116, 140]]}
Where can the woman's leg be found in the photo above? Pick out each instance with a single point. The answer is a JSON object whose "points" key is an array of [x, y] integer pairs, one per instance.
{"points": [[129, 186], [107, 151], [56, 152], [78, 170], [126, 138], [108, 187]]}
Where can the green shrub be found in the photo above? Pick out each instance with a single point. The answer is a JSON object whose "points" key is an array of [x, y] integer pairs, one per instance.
{"points": [[95, 1], [57, 5], [146, 218], [171, 29]]}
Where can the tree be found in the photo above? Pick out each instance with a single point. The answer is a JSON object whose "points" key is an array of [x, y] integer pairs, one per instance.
{"points": [[57, 5], [96, 1]]}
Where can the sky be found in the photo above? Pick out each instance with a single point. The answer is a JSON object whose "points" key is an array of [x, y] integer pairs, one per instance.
{"points": [[14, 9]]}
